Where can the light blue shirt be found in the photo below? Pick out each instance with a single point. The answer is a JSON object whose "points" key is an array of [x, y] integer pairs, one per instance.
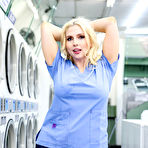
{"points": [[77, 117]]}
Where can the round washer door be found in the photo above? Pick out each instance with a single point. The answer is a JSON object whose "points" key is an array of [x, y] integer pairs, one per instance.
{"points": [[11, 61], [36, 81], [29, 131], [9, 139], [21, 134], [22, 69], [1, 53], [30, 85], [35, 127]]}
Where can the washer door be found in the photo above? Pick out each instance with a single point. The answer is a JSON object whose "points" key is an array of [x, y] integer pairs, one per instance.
{"points": [[29, 131], [11, 61], [36, 81], [30, 84], [1, 53], [9, 139], [21, 137], [22, 69], [35, 126]]}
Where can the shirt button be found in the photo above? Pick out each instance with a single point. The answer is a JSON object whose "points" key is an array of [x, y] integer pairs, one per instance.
{"points": [[53, 125]]}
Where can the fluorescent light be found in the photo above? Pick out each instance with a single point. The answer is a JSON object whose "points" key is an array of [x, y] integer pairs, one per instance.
{"points": [[33, 9], [143, 31], [110, 3], [136, 13]]}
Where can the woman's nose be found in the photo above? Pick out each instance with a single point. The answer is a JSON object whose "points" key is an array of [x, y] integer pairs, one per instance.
{"points": [[75, 42]]}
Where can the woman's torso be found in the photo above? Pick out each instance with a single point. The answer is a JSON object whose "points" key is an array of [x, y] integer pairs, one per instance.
{"points": [[78, 115]]}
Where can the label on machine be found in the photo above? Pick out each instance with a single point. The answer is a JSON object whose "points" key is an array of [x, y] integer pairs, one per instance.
{"points": [[4, 4]]}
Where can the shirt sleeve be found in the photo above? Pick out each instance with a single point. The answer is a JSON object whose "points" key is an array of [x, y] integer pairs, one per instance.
{"points": [[111, 67], [52, 69]]}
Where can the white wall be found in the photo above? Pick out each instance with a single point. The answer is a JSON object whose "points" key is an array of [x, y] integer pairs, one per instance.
{"points": [[116, 92], [44, 90], [119, 92]]}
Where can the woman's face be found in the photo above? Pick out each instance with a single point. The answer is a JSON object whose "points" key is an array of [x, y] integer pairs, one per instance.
{"points": [[76, 43]]}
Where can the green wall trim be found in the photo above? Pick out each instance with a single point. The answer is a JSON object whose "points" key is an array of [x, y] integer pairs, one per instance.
{"points": [[135, 113], [111, 123], [111, 111]]}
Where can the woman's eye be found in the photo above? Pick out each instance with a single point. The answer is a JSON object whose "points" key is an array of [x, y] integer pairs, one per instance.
{"points": [[69, 39], [81, 36]]}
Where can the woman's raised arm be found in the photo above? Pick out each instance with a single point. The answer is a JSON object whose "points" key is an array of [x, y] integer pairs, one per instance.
{"points": [[49, 35], [108, 25]]}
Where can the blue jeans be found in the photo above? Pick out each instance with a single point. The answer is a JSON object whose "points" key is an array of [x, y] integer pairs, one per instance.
{"points": [[39, 146]]}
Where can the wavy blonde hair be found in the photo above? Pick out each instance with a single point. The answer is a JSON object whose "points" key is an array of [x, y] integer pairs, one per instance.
{"points": [[90, 35]]}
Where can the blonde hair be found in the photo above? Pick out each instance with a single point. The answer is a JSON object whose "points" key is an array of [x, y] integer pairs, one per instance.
{"points": [[92, 54]]}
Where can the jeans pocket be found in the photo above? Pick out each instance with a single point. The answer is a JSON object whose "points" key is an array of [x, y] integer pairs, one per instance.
{"points": [[55, 127], [98, 126]]}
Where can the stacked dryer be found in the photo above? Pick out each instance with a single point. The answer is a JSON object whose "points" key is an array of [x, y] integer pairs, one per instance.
{"points": [[18, 89]]}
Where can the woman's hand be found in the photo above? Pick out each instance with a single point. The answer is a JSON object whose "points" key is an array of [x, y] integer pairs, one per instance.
{"points": [[108, 26]]}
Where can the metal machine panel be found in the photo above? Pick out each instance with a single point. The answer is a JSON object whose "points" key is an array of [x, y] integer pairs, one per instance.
{"points": [[145, 136], [131, 132], [134, 134]]}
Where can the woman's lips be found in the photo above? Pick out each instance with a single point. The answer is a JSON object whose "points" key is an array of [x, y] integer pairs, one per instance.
{"points": [[77, 50]]}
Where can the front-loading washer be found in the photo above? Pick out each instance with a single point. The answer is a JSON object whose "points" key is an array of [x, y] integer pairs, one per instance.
{"points": [[22, 70], [11, 61], [2, 46], [8, 131], [29, 133], [21, 134], [7, 122], [1, 49], [36, 80], [25, 101], [12, 116], [35, 128], [18, 114], [30, 74], [10, 134]]}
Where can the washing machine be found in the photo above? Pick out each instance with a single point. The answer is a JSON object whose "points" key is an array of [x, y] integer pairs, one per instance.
{"points": [[2, 46], [18, 98], [36, 95], [30, 76], [7, 121], [29, 106], [14, 113], [36, 79]]}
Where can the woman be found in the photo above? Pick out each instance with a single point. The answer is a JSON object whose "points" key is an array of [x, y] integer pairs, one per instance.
{"points": [[82, 79]]}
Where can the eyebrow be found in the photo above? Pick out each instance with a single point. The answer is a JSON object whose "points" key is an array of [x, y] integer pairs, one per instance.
{"points": [[77, 34]]}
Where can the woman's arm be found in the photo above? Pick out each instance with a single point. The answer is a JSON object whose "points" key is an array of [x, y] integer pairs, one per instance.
{"points": [[108, 25], [49, 35]]}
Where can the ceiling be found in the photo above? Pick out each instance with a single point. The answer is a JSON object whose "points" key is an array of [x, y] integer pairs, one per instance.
{"points": [[93, 9]]}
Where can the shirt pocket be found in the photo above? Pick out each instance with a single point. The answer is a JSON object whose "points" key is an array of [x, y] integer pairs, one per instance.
{"points": [[98, 126], [55, 127]]}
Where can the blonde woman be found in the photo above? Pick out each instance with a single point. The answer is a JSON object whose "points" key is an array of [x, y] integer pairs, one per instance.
{"points": [[82, 79]]}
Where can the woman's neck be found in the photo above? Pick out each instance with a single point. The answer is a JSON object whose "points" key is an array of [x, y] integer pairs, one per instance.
{"points": [[81, 64]]}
